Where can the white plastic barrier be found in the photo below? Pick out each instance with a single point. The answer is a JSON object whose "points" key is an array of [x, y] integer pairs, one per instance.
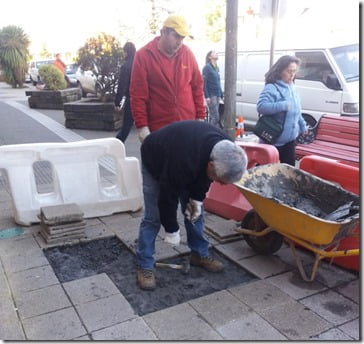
{"points": [[76, 177]]}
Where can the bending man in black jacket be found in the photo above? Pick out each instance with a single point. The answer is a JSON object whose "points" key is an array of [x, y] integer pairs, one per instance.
{"points": [[179, 162], [123, 91]]}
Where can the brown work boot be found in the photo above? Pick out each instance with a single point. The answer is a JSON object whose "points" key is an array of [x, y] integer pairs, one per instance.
{"points": [[145, 279], [208, 263]]}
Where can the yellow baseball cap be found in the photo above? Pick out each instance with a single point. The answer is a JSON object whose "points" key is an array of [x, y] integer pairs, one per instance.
{"points": [[178, 24]]}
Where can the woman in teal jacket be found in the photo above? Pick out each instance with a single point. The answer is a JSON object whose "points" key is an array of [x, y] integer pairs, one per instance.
{"points": [[279, 96]]}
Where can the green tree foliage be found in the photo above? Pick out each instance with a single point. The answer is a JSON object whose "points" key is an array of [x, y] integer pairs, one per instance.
{"points": [[215, 21], [14, 54], [52, 77], [103, 55]]}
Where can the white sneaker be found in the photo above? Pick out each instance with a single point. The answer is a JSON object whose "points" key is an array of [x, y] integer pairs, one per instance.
{"points": [[172, 238]]}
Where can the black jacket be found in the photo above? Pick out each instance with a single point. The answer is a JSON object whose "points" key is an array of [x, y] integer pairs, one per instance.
{"points": [[177, 156], [124, 80]]}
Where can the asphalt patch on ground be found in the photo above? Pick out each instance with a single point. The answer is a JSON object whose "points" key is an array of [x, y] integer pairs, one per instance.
{"points": [[111, 256]]}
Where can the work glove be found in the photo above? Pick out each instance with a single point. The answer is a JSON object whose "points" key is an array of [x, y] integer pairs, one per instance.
{"points": [[143, 132], [193, 210], [173, 238]]}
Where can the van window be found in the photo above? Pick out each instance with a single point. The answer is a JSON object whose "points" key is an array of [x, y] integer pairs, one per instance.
{"points": [[314, 66], [256, 67], [347, 58]]}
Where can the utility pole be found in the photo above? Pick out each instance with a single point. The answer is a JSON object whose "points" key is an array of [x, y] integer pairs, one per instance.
{"points": [[230, 66], [275, 13]]}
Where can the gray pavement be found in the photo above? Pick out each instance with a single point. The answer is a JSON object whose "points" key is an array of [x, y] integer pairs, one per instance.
{"points": [[35, 305]]}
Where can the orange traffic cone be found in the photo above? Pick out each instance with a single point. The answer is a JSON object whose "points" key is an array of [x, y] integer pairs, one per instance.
{"points": [[240, 127]]}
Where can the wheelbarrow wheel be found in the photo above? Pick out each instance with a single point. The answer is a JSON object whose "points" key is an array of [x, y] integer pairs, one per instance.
{"points": [[266, 244]]}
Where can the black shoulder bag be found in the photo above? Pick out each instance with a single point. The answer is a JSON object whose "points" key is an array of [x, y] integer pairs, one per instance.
{"points": [[268, 127]]}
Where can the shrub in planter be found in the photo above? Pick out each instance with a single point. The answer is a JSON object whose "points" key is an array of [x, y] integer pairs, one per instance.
{"points": [[52, 77]]}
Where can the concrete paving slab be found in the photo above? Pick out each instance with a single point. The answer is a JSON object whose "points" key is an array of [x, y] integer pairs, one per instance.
{"points": [[61, 213], [285, 254], [32, 279], [219, 308], [24, 243], [24, 261], [333, 334], [350, 290], [116, 220], [41, 301], [352, 329], [292, 283], [295, 321], [180, 322], [264, 266], [134, 329], [332, 306], [236, 250], [164, 250], [105, 312], [260, 295], [250, 326], [332, 276], [60, 325], [10, 325], [90, 288]]}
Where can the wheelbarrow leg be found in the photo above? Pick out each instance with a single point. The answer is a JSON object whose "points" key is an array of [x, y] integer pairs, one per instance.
{"points": [[300, 266]]}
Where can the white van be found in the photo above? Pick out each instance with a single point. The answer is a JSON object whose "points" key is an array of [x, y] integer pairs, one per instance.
{"points": [[34, 69], [327, 81]]}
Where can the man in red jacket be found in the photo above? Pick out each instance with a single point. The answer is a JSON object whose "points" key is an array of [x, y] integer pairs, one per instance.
{"points": [[166, 83]]}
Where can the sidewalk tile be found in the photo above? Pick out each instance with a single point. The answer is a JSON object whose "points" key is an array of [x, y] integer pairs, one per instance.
{"points": [[333, 334], [260, 295], [332, 306], [60, 325], [105, 312], [23, 261], [264, 266], [295, 321], [350, 290], [90, 289], [250, 326], [10, 326], [24, 243], [332, 275], [41, 301], [236, 250], [32, 279], [292, 283], [228, 306], [180, 322], [352, 328], [134, 329]]}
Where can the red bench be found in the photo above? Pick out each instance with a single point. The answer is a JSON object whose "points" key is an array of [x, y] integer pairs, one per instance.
{"points": [[348, 177], [337, 137]]}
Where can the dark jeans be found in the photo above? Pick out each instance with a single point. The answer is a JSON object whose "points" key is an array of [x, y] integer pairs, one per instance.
{"points": [[127, 122], [287, 153]]}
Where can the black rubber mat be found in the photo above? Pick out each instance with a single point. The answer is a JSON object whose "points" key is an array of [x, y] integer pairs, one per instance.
{"points": [[111, 256]]}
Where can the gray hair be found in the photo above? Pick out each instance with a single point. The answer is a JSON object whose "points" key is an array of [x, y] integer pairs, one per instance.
{"points": [[230, 161]]}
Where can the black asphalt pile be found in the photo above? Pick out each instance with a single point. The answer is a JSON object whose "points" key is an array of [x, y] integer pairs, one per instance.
{"points": [[111, 256]]}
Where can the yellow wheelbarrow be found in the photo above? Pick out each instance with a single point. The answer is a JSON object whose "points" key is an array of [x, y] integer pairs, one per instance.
{"points": [[303, 209]]}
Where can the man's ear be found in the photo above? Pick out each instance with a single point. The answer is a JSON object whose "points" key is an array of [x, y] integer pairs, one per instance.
{"points": [[211, 169]]}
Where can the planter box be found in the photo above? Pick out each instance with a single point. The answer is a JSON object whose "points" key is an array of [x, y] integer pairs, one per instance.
{"points": [[92, 114], [46, 99]]}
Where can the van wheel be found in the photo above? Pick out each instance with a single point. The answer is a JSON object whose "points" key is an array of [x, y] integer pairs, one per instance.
{"points": [[312, 127]]}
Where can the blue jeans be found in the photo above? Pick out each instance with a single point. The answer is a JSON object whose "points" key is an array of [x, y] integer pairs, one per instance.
{"points": [[150, 225]]}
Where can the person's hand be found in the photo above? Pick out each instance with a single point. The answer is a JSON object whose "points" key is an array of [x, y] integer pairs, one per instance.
{"points": [[117, 108], [143, 132], [208, 100], [193, 210]]}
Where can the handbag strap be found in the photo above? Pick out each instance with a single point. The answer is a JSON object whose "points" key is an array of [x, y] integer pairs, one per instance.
{"points": [[279, 91]]}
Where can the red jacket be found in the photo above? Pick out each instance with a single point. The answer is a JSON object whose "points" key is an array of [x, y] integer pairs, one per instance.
{"points": [[164, 90]]}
